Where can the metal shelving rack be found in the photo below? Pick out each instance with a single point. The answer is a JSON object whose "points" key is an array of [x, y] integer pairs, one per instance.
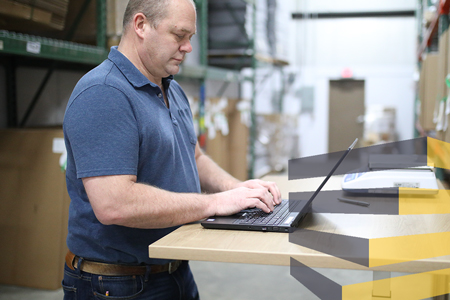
{"points": [[55, 53], [41, 47], [247, 56], [438, 24], [444, 9], [60, 50], [73, 55], [205, 72], [426, 40]]}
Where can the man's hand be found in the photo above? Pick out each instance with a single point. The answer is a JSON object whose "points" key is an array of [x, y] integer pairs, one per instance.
{"points": [[252, 193], [270, 186]]}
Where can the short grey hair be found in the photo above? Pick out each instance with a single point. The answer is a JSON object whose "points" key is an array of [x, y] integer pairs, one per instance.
{"points": [[154, 10]]}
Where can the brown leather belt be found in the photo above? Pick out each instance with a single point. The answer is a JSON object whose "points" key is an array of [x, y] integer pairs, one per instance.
{"points": [[117, 270]]}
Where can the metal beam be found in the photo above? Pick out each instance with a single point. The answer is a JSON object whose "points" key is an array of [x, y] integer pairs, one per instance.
{"points": [[371, 14], [74, 26], [101, 24], [41, 47], [38, 94], [11, 93]]}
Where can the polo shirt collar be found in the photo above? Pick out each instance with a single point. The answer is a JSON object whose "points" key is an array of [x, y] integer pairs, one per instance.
{"points": [[134, 76]]}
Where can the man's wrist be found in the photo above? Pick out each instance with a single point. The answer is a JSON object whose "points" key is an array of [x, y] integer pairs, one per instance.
{"points": [[233, 183], [211, 206]]}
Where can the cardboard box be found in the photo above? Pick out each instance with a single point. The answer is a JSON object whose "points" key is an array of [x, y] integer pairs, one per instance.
{"points": [[43, 12], [114, 21], [443, 63], [230, 151], [447, 131], [58, 7], [441, 86], [116, 10], [33, 209], [428, 92]]}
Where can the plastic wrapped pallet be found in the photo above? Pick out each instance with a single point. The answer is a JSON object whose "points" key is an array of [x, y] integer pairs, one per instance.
{"points": [[379, 125], [227, 125], [230, 25], [276, 143], [231, 30]]}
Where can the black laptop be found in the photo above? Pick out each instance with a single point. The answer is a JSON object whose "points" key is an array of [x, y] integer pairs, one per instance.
{"points": [[285, 217]]}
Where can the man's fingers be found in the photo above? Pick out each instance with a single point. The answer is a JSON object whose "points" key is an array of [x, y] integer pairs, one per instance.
{"points": [[263, 195], [256, 202], [273, 189], [268, 185]]}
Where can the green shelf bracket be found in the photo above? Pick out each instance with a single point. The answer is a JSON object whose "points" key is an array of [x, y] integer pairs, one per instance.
{"points": [[101, 24], [253, 127], [41, 47]]}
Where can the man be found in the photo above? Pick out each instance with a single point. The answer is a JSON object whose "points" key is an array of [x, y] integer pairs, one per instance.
{"points": [[135, 171]]}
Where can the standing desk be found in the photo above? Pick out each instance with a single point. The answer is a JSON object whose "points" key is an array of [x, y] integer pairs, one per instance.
{"points": [[193, 242]]}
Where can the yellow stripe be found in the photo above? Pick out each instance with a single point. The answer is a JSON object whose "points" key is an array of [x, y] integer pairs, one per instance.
{"points": [[391, 250], [415, 286], [410, 204], [438, 153]]}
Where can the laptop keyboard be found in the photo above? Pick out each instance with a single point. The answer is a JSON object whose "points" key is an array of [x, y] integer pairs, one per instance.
{"points": [[258, 217]]}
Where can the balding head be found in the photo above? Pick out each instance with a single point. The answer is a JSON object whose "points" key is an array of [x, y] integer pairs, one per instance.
{"points": [[154, 10]]}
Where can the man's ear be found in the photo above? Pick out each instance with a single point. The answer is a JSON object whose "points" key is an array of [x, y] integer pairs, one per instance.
{"points": [[140, 24]]}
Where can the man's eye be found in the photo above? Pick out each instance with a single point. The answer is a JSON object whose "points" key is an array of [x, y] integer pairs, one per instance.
{"points": [[180, 36]]}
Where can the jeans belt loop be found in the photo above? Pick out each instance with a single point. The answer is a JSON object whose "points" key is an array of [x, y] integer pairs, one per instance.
{"points": [[79, 261]]}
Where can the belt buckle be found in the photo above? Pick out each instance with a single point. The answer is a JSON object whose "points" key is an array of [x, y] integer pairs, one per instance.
{"points": [[173, 266]]}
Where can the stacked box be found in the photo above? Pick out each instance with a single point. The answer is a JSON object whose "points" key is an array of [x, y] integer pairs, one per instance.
{"points": [[33, 208], [447, 131], [58, 7], [441, 87], [227, 146], [116, 10], [48, 12], [428, 93], [230, 151]]}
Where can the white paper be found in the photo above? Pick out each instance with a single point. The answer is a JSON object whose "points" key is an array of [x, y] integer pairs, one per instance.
{"points": [[34, 47]]}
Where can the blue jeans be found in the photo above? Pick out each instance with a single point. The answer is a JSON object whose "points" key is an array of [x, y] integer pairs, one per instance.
{"points": [[79, 285]]}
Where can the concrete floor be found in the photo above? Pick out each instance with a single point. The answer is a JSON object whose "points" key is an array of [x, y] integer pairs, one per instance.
{"points": [[224, 281]]}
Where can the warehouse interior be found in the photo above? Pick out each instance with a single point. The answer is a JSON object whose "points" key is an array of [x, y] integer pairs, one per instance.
{"points": [[267, 81]]}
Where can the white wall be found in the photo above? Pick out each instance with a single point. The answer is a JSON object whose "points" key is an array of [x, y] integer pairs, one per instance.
{"points": [[382, 51]]}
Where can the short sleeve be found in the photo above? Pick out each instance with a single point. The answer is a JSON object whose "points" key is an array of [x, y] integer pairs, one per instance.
{"points": [[102, 133]]}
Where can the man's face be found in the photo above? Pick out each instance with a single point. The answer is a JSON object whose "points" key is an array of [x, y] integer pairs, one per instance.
{"points": [[165, 47]]}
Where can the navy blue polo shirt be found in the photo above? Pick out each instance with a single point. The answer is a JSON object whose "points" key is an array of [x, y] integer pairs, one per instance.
{"points": [[117, 123]]}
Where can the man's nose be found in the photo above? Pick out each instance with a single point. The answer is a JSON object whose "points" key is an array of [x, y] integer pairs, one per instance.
{"points": [[186, 47]]}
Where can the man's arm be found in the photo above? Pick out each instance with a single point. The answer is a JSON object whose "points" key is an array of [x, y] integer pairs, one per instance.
{"points": [[120, 200]]}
